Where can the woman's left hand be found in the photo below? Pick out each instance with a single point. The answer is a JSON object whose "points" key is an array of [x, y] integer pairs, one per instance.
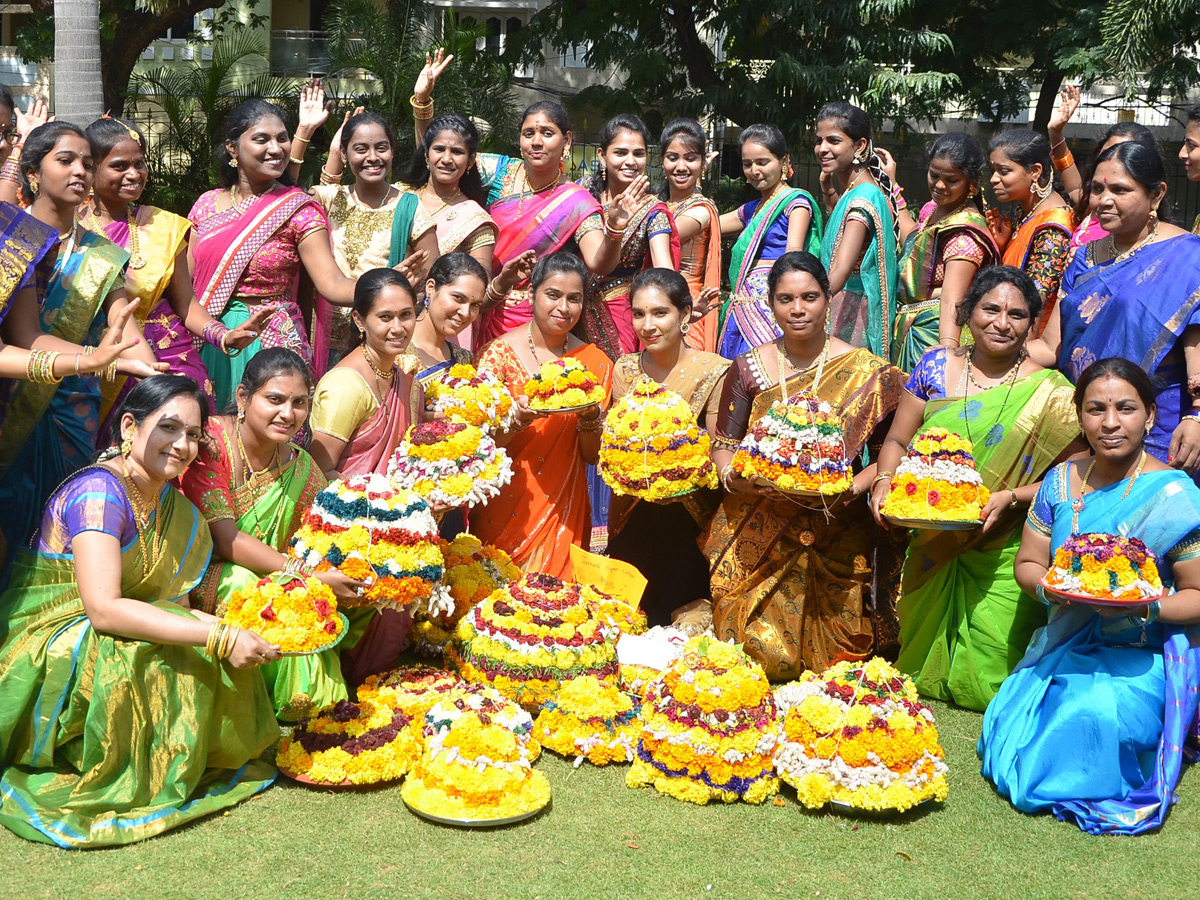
{"points": [[995, 508], [313, 112], [137, 368], [1184, 452], [620, 211], [412, 266], [704, 303], [887, 162], [247, 333]]}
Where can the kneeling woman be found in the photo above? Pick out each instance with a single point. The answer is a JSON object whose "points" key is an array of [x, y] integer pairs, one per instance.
{"points": [[120, 720], [1091, 724], [253, 488], [791, 578], [545, 508]]}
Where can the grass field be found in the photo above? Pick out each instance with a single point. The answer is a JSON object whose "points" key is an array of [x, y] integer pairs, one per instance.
{"points": [[602, 840]]}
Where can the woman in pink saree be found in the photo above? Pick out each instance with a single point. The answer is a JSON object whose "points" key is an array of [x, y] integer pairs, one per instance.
{"points": [[250, 239], [536, 208], [361, 411]]}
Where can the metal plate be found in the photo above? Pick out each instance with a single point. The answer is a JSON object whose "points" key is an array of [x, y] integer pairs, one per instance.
{"points": [[476, 823], [1089, 600], [329, 646], [846, 809], [759, 481], [566, 409], [338, 786], [935, 524]]}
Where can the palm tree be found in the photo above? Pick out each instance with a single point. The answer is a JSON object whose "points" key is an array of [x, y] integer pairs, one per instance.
{"points": [[390, 44], [78, 86]]}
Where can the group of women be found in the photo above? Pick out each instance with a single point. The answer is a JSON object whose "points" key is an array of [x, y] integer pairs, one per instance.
{"points": [[301, 327]]}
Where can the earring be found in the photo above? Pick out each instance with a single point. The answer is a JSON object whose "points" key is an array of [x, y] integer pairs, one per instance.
{"points": [[1041, 192], [126, 446], [1154, 215], [33, 186], [685, 327], [241, 415], [602, 171], [861, 156], [233, 162], [971, 192]]}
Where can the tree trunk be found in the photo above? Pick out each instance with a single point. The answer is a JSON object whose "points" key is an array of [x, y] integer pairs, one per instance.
{"points": [[78, 91], [1047, 97]]}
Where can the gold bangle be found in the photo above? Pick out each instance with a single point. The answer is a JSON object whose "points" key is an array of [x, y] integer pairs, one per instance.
{"points": [[211, 644], [298, 162], [878, 478], [110, 374], [326, 178], [297, 137], [417, 104]]}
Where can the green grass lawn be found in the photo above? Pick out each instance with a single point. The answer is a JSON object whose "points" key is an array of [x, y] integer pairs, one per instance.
{"points": [[602, 840]]}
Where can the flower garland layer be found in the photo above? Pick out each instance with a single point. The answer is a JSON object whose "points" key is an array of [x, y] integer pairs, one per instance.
{"points": [[562, 384], [473, 571], [709, 728], [1107, 566], [450, 464], [652, 447], [644, 657], [369, 529], [589, 719], [472, 397], [296, 613], [360, 743], [411, 689], [529, 637], [624, 618], [475, 765], [937, 480], [857, 734], [799, 445]]}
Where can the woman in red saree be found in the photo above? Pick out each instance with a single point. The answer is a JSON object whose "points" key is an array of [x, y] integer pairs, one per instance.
{"points": [[361, 411], [1040, 244], [545, 509], [649, 239], [536, 208], [250, 238]]}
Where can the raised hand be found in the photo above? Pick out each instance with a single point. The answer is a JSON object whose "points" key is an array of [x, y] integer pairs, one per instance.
{"points": [[412, 266], [336, 143], [1000, 226], [427, 78], [887, 162], [247, 333], [704, 302], [37, 113], [515, 271], [621, 210], [313, 111], [113, 343], [1069, 98]]}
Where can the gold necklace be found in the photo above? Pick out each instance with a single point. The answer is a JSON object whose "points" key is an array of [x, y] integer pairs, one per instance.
{"points": [[379, 373], [533, 349], [142, 510], [530, 190], [136, 261], [251, 477], [819, 363], [239, 206], [457, 193], [1077, 504], [1121, 257]]}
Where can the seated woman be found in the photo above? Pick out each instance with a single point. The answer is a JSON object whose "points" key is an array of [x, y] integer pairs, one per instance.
{"points": [[454, 298], [119, 719], [661, 538], [794, 582], [1091, 724], [545, 508], [964, 623], [253, 488]]}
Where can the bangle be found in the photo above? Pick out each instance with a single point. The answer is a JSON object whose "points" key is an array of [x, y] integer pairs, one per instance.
{"points": [[298, 138], [901, 203], [225, 349], [494, 293], [1060, 143], [589, 426], [1153, 610], [878, 478], [1013, 501], [611, 232], [214, 333], [417, 104], [210, 646], [78, 358], [1062, 163], [110, 371], [298, 162], [11, 170], [327, 178], [39, 367]]}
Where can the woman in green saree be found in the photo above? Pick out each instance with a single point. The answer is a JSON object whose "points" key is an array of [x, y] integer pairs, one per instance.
{"points": [[859, 247], [253, 488], [125, 713], [964, 621]]}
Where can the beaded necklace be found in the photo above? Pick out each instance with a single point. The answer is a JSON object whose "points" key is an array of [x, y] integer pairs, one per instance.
{"points": [[819, 363], [533, 349]]}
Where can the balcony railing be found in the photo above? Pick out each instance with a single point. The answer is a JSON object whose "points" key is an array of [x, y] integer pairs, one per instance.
{"points": [[299, 53]]}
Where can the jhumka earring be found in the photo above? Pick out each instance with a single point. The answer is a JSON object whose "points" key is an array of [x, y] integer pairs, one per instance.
{"points": [[241, 414], [233, 162], [126, 446]]}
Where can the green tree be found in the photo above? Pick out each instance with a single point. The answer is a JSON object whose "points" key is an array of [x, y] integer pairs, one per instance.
{"points": [[758, 60], [391, 43], [1150, 45]]}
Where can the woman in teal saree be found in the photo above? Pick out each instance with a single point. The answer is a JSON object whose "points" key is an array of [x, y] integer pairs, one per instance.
{"points": [[1091, 725], [964, 621], [118, 723]]}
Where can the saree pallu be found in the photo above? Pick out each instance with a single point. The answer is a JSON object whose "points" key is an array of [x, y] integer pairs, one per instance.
{"points": [[222, 246], [607, 319], [862, 314], [700, 265], [919, 302], [1018, 252], [108, 740], [333, 330], [964, 620], [24, 240], [747, 320], [545, 508], [792, 584], [1137, 309], [50, 430], [161, 238], [1092, 724], [543, 222]]}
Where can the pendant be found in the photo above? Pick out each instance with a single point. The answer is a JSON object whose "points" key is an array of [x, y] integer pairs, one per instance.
{"points": [[136, 262], [451, 216]]}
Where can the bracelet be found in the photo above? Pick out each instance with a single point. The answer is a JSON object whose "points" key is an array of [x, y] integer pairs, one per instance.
{"points": [[901, 203], [611, 232], [214, 333], [11, 170], [326, 178], [1194, 416], [110, 371], [78, 358], [225, 349], [1062, 142], [1153, 611], [298, 162], [589, 426], [724, 476], [494, 293], [1013, 501], [214, 634], [88, 351], [225, 645], [39, 367], [1062, 163], [417, 104], [298, 138], [878, 478]]}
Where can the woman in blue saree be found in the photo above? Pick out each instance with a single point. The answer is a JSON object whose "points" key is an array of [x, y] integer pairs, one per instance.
{"points": [[1091, 724], [860, 245], [125, 713], [454, 298], [782, 219], [1135, 294]]}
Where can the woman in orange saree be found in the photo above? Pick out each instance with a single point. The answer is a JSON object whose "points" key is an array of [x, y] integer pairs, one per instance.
{"points": [[545, 509], [798, 581], [1040, 244]]}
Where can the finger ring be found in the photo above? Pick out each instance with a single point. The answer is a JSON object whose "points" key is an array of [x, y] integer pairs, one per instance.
{"points": [[358, 591]]}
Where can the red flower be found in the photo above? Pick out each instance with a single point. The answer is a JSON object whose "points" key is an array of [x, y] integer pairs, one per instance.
{"points": [[321, 605], [330, 627], [267, 613], [934, 498], [910, 488]]}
